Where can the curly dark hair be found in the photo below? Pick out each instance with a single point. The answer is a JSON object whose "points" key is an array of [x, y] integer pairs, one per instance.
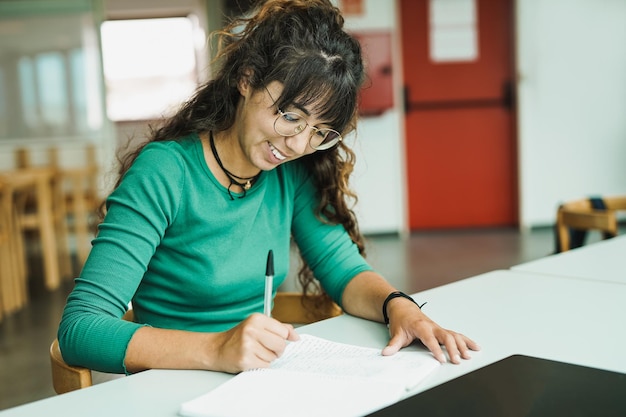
{"points": [[302, 45]]}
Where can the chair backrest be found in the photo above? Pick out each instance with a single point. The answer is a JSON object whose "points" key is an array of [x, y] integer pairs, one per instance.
{"points": [[66, 378], [5, 239], [42, 211], [292, 307], [75, 195], [577, 217], [13, 282], [289, 307], [78, 192]]}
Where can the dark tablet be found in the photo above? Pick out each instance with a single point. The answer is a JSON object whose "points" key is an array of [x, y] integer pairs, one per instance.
{"points": [[521, 386]]}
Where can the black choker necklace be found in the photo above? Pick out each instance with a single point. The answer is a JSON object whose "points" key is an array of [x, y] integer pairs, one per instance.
{"points": [[247, 182]]}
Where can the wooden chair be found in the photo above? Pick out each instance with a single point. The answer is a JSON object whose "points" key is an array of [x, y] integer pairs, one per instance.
{"points": [[38, 210], [288, 307], [13, 285], [66, 378], [6, 262], [577, 217], [78, 193], [74, 196]]}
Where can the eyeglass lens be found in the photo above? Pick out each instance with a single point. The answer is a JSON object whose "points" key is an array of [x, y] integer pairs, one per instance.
{"points": [[290, 124]]}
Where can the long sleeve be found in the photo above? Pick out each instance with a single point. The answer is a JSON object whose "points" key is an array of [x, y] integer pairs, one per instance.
{"points": [[139, 213], [191, 258], [330, 253]]}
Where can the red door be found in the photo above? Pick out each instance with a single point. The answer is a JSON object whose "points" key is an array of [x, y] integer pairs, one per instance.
{"points": [[461, 158]]}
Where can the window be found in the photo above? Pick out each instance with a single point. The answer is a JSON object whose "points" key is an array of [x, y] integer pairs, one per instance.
{"points": [[50, 70], [149, 66]]}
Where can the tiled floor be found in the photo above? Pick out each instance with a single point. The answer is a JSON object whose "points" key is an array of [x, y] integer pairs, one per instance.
{"points": [[420, 261]]}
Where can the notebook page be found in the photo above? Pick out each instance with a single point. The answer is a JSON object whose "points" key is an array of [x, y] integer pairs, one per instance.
{"points": [[316, 355], [317, 377]]}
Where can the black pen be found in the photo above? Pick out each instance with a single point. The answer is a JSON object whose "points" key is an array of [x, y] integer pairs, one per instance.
{"points": [[269, 284]]}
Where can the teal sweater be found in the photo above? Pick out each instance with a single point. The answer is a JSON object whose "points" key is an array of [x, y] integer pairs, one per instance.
{"points": [[191, 258]]}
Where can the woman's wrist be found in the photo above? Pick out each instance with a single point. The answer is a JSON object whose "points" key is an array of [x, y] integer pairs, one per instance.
{"points": [[395, 295]]}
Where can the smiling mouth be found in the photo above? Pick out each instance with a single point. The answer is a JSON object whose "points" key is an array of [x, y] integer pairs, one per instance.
{"points": [[277, 153]]}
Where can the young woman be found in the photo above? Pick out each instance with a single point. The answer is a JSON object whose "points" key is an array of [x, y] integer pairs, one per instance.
{"points": [[255, 158]]}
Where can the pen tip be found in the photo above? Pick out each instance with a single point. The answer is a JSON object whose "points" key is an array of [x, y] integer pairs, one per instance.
{"points": [[269, 268]]}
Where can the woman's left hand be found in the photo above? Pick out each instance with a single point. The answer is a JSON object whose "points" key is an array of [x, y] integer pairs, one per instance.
{"points": [[407, 323]]}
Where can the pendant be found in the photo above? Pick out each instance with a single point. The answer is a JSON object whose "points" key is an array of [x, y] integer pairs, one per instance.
{"points": [[247, 185]]}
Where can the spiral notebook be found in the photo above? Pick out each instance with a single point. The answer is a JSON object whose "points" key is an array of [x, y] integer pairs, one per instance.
{"points": [[317, 377]]}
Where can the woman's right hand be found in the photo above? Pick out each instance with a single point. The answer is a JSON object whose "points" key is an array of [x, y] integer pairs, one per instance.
{"points": [[254, 343]]}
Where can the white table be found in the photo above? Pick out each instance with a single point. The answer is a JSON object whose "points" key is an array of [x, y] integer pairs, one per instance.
{"points": [[602, 261], [571, 320]]}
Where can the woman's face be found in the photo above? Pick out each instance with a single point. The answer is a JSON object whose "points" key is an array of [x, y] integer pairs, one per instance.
{"points": [[259, 141]]}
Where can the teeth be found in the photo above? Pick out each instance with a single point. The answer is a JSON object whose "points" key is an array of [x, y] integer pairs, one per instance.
{"points": [[276, 153]]}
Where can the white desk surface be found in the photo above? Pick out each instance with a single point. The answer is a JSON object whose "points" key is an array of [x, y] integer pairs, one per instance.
{"points": [[506, 312], [602, 261]]}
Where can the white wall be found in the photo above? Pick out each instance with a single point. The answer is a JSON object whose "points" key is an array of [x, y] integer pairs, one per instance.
{"points": [[379, 178], [572, 102]]}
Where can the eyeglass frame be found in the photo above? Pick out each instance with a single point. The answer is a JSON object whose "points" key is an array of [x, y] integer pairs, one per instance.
{"points": [[321, 147]]}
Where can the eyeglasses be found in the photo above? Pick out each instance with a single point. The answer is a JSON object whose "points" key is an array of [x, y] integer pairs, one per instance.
{"points": [[291, 124]]}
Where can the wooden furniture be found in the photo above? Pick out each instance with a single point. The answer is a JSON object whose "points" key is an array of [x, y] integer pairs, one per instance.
{"points": [[79, 196], [25, 205], [291, 307], [35, 183], [75, 199], [580, 216], [288, 308], [13, 294], [66, 378], [5, 260], [13, 280]]}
